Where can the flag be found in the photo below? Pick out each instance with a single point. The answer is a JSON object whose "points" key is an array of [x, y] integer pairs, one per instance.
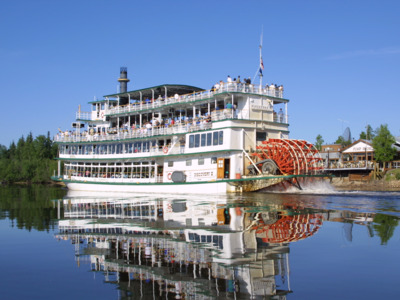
{"points": [[261, 65]]}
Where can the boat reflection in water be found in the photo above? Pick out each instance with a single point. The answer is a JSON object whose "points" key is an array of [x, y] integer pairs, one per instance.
{"points": [[185, 246]]}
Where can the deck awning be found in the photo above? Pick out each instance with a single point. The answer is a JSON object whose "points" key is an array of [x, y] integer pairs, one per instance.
{"points": [[167, 90]]}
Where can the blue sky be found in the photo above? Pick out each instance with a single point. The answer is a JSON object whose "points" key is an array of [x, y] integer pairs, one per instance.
{"points": [[339, 61]]}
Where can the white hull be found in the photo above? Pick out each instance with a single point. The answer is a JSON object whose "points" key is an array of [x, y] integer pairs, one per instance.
{"points": [[176, 188]]}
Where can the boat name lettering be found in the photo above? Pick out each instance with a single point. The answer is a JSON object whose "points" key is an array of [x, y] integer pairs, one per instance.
{"points": [[261, 107], [203, 174]]}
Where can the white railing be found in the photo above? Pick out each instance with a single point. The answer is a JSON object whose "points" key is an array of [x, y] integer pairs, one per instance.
{"points": [[84, 115], [115, 134], [227, 87], [129, 133]]}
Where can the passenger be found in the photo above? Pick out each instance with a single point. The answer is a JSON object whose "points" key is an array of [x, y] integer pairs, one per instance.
{"points": [[280, 91], [148, 126], [229, 79], [280, 115]]}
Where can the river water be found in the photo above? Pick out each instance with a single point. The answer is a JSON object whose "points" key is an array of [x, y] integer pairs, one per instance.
{"points": [[310, 244]]}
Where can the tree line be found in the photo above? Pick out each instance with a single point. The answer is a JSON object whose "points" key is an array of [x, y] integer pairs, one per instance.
{"points": [[29, 160], [382, 142]]}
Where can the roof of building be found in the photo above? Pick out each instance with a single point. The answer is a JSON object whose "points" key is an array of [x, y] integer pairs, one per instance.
{"points": [[168, 90], [353, 146]]}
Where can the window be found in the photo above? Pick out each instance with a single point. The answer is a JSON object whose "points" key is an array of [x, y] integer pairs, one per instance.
{"points": [[203, 139], [261, 136], [215, 138], [206, 139], [200, 162], [188, 162], [170, 164], [191, 141], [213, 160], [197, 140], [209, 139]]}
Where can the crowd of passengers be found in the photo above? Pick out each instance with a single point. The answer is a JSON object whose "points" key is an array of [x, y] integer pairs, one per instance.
{"points": [[272, 89], [197, 123]]}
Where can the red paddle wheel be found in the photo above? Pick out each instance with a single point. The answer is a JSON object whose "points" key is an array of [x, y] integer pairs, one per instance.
{"points": [[289, 157], [290, 228]]}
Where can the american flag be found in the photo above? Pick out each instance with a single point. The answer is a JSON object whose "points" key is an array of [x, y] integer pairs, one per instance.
{"points": [[261, 65]]}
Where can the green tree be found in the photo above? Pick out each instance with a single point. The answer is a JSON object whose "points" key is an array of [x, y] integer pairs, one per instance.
{"points": [[3, 152], [383, 145], [369, 134], [12, 150], [31, 160], [342, 142], [384, 226], [318, 142]]}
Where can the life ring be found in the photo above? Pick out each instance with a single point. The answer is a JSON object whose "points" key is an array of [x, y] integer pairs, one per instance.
{"points": [[102, 114], [165, 150], [169, 176]]}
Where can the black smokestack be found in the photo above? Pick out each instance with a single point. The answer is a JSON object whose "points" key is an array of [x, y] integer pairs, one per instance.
{"points": [[123, 80], [123, 85]]}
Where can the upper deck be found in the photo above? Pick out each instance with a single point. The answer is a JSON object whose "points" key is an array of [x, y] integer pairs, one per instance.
{"points": [[142, 105], [145, 101]]}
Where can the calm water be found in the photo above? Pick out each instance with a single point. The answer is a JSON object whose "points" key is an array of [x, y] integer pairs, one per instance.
{"points": [[310, 245]]}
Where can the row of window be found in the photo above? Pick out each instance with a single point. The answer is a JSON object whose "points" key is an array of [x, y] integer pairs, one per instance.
{"points": [[114, 170], [119, 148], [206, 139], [195, 140]]}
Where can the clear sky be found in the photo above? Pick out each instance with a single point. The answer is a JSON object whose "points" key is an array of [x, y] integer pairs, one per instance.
{"points": [[339, 60]]}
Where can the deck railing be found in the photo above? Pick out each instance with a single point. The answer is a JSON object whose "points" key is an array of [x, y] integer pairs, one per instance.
{"points": [[115, 134], [129, 133], [228, 87]]}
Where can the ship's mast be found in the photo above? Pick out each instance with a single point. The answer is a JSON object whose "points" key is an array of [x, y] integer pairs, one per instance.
{"points": [[261, 60]]}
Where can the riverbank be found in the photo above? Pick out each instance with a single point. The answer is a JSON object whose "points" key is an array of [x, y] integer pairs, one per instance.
{"points": [[344, 184]]}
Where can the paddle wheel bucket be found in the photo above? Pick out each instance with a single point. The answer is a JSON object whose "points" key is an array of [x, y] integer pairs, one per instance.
{"points": [[291, 157]]}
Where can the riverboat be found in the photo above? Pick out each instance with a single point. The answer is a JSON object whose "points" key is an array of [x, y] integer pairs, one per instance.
{"points": [[173, 138]]}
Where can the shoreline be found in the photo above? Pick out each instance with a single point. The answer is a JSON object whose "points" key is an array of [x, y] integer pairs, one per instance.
{"points": [[343, 184]]}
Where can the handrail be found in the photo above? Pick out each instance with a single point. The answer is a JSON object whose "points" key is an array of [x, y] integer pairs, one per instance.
{"points": [[134, 133], [129, 133], [187, 98]]}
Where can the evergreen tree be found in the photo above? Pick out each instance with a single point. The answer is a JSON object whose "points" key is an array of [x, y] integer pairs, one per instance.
{"points": [[368, 134], [342, 142], [31, 160], [3, 152], [12, 151]]}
